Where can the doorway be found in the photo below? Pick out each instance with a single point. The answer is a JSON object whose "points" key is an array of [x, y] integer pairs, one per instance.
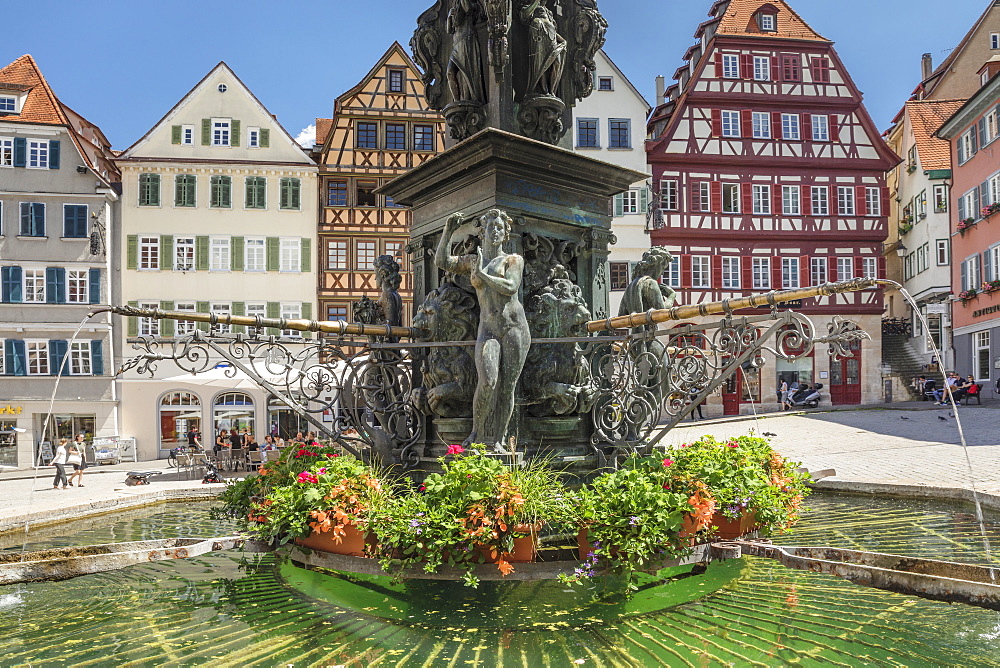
{"points": [[845, 378]]}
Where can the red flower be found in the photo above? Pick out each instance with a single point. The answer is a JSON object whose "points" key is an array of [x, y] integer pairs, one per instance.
{"points": [[667, 462], [455, 450]]}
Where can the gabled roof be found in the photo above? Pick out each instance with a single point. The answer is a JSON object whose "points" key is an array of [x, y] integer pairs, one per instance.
{"points": [[934, 80], [41, 104], [323, 126], [621, 76], [740, 19], [395, 47], [926, 116]]}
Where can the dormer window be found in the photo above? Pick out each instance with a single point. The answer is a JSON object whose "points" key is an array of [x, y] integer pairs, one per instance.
{"points": [[767, 22], [8, 104]]}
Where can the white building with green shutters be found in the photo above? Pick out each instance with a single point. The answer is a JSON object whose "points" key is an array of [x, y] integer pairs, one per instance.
{"points": [[218, 213]]}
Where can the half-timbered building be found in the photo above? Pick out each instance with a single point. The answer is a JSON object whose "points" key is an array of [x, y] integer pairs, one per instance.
{"points": [[380, 129], [770, 175]]}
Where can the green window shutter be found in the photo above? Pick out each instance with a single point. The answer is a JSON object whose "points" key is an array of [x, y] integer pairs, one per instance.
{"points": [[133, 323], [166, 252], [305, 255], [273, 254], [239, 308], [201, 253], [227, 191], [166, 326], [132, 256], [619, 205], [265, 138], [175, 134], [307, 314], [206, 132], [273, 311], [643, 200], [236, 254], [203, 307], [234, 132]]}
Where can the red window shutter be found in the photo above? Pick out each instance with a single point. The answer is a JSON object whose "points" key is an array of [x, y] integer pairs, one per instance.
{"points": [[746, 271], [777, 204], [834, 127], [885, 201], [831, 269], [805, 272], [746, 122], [695, 192], [718, 66], [860, 201], [881, 266], [685, 271], [775, 69], [806, 200], [746, 66], [716, 122], [807, 133], [859, 267], [716, 271], [776, 283], [716, 197], [776, 124], [746, 198]]}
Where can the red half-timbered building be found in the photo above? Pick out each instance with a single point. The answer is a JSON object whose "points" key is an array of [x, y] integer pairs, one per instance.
{"points": [[771, 175]]}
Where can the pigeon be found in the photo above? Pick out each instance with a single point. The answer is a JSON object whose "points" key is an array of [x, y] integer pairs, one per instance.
{"points": [[770, 434], [903, 417], [942, 418]]}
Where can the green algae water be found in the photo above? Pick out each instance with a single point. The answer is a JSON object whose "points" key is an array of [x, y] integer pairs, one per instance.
{"points": [[231, 609]]}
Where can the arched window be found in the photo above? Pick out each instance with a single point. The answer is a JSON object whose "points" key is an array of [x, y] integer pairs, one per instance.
{"points": [[283, 421], [179, 413], [234, 410]]}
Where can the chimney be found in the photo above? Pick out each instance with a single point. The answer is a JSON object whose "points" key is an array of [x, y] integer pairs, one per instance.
{"points": [[926, 67], [661, 89]]}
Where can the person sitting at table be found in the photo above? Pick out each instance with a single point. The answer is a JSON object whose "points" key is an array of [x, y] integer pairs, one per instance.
{"points": [[299, 438], [221, 442], [251, 443], [268, 444], [311, 439]]}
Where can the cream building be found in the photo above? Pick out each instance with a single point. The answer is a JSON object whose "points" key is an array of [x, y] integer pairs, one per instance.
{"points": [[610, 125], [218, 213]]}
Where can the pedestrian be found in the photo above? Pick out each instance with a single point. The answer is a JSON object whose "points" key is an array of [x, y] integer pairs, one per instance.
{"points": [[221, 442], [697, 406], [783, 395], [77, 458], [59, 461], [194, 440]]}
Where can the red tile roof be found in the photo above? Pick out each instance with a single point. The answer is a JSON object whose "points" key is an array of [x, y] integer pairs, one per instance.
{"points": [[926, 116], [740, 19], [323, 126], [41, 105]]}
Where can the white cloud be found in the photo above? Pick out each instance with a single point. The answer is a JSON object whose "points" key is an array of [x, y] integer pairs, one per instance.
{"points": [[307, 137]]}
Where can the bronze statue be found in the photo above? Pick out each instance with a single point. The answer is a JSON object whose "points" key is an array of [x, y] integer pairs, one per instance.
{"points": [[548, 53], [387, 279], [504, 338], [645, 291], [465, 67]]}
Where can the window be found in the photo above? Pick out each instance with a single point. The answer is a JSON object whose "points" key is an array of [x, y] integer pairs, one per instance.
{"points": [[254, 254], [730, 124], [669, 199], [395, 81], [187, 135], [394, 249], [365, 255], [336, 255], [920, 208], [630, 202], [184, 189], [908, 264], [993, 263], [149, 253], [8, 104], [943, 253], [291, 254], [34, 286], [395, 137], [586, 133], [762, 68], [790, 127], [982, 355], [967, 205], [761, 125], [149, 190], [821, 128], [731, 273], [253, 137], [620, 136], [966, 146], [921, 259], [789, 272], [791, 67], [993, 189], [149, 326], [701, 271], [75, 221], [38, 357], [79, 358], [291, 311], [791, 201], [761, 270], [730, 66], [820, 201], [605, 83], [672, 274], [336, 193], [32, 219], [873, 201], [911, 158], [182, 328], [220, 131], [971, 273], [365, 193], [994, 44], [183, 253], [730, 198], [222, 309], [845, 268], [335, 312], [818, 270], [619, 275], [290, 191], [256, 193], [423, 137], [820, 70], [221, 192], [701, 199], [219, 254], [366, 135], [38, 154], [77, 286], [869, 267], [762, 200], [767, 22], [845, 200], [255, 309], [6, 152]]}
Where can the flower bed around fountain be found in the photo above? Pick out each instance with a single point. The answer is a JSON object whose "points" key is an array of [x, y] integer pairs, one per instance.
{"points": [[652, 512]]}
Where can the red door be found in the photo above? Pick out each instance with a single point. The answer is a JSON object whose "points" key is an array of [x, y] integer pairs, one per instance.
{"points": [[845, 379], [731, 391]]}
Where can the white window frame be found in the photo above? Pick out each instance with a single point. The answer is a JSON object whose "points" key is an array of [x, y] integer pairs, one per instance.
{"points": [[980, 343], [33, 285], [760, 269], [254, 254], [731, 273], [762, 68], [669, 194], [3, 358], [254, 309], [791, 127], [701, 271], [13, 107], [820, 200], [220, 254], [966, 146], [869, 267], [731, 124], [181, 327], [845, 268], [820, 127], [731, 198], [221, 308], [943, 252], [253, 137], [630, 202], [37, 154], [846, 206], [761, 199], [819, 270], [7, 152], [730, 66], [791, 201], [396, 250], [149, 254], [346, 247], [971, 210], [921, 259], [77, 286], [36, 357], [704, 196], [761, 125], [873, 201], [187, 135], [768, 22], [995, 40], [290, 255], [291, 311], [358, 254], [222, 129], [184, 253], [791, 275], [149, 326], [672, 272], [993, 260], [80, 363]]}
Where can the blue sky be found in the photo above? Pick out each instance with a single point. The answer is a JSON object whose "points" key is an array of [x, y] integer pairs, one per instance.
{"points": [[124, 64]]}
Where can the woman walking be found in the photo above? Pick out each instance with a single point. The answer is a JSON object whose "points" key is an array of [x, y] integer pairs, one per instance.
{"points": [[78, 460], [59, 461]]}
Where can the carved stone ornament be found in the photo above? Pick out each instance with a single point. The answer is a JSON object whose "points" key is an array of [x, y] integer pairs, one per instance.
{"points": [[590, 29], [426, 47], [464, 120], [541, 118], [498, 23]]}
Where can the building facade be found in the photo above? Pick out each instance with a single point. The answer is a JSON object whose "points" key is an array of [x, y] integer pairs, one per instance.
{"points": [[57, 193], [218, 214], [770, 174], [973, 132], [380, 129], [610, 125]]}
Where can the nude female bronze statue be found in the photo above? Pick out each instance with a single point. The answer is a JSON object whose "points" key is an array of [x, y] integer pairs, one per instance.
{"points": [[504, 338]]}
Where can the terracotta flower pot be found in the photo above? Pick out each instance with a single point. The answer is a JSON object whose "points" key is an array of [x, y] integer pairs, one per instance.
{"points": [[729, 529], [352, 543], [525, 547], [584, 547]]}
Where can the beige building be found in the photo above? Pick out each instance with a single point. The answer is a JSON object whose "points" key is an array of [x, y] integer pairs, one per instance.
{"points": [[218, 214]]}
